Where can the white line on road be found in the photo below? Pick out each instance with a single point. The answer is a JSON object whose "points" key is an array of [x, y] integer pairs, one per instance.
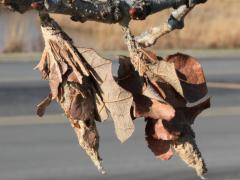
{"points": [[32, 119], [223, 85], [222, 111]]}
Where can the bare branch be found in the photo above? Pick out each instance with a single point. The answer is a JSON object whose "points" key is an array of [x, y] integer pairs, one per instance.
{"points": [[110, 11], [175, 21]]}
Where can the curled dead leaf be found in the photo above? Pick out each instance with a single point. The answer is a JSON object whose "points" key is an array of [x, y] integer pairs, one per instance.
{"points": [[41, 107], [160, 148], [187, 149], [82, 108], [191, 76], [146, 107], [157, 130], [88, 139]]}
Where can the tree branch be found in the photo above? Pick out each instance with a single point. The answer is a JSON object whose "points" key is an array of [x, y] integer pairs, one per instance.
{"points": [[176, 21], [110, 11]]}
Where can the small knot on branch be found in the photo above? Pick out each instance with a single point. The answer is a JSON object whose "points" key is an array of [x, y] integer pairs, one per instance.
{"points": [[174, 23]]}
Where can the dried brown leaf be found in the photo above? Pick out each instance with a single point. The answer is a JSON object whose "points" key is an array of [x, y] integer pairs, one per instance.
{"points": [[128, 78], [187, 149], [54, 80], [146, 107], [193, 111], [150, 91], [166, 71], [43, 65], [72, 77], [101, 109], [116, 99], [191, 75], [172, 97], [160, 148], [157, 130], [82, 108], [162, 133], [88, 139], [72, 86], [83, 82], [185, 117], [63, 67], [149, 56], [41, 107]]}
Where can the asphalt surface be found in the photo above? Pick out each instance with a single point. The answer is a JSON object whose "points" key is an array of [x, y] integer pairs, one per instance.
{"points": [[46, 149]]}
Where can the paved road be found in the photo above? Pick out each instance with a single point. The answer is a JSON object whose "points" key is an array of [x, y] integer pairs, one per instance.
{"points": [[46, 149]]}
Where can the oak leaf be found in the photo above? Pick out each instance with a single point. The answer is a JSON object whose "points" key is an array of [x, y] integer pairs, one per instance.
{"points": [[117, 100]]}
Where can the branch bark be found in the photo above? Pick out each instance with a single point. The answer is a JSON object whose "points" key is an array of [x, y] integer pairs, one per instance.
{"points": [[110, 11], [175, 21]]}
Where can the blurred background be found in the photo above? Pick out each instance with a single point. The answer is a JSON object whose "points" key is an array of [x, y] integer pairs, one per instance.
{"points": [[33, 148]]}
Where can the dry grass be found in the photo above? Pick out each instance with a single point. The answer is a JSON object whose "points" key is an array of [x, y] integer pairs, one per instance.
{"points": [[211, 25], [14, 41], [19, 33]]}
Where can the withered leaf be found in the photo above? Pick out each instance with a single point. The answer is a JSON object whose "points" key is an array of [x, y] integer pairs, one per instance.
{"points": [[88, 139], [116, 99], [127, 77], [63, 54], [162, 133], [83, 82], [146, 107], [172, 97], [167, 72], [82, 108], [160, 148], [41, 107], [75, 98], [150, 91], [191, 75], [187, 149], [72, 77], [63, 67], [43, 65], [185, 116], [130, 80], [149, 56], [54, 80], [157, 130], [101, 109], [193, 111], [147, 101]]}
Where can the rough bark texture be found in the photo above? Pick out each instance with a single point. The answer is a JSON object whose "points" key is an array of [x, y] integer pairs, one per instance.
{"points": [[111, 11], [176, 21]]}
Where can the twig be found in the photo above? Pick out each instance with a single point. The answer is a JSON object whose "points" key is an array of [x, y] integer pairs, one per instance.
{"points": [[176, 21]]}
